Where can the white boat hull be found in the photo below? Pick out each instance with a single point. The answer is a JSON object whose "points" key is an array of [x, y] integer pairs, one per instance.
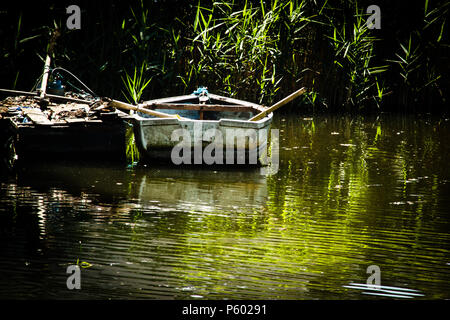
{"points": [[235, 141]]}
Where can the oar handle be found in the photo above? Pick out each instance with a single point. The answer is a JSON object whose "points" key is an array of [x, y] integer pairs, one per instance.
{"points": [[126, 106], [279, 104]]}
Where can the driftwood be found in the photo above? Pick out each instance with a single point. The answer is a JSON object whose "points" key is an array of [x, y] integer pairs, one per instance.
{"points": [[50, 96], [37, 116]]}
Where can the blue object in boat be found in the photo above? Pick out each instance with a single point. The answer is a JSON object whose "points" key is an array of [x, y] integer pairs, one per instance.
{"points": [[201, 91], [56, 87]]}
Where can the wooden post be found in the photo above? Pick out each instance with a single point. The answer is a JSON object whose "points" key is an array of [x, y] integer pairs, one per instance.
{"points": [[51, 45], [278, 104], [45, 77]]}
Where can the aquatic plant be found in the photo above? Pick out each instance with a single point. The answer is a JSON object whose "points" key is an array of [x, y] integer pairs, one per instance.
{"points": [[353, 46], [417, 57], [131, 150], [83, 264], [255, 50], [135, 85]]}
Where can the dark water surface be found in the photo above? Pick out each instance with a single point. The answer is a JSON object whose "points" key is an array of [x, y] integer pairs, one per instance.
{"points": [[350, 193]]}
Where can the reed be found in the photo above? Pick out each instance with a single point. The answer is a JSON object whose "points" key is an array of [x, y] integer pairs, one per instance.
{"points": [[353, 46], [249, 49], [135, 85], [131, 151], [417, 59]]}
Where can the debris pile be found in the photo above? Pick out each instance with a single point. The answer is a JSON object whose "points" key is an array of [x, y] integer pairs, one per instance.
{"points": [[25, 109]]}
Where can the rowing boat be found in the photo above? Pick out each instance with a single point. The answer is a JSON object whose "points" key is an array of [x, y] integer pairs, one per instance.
{"points": [[202, 128]]}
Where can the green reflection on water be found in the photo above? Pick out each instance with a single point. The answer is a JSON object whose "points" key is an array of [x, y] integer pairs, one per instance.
{"points": [[347, 196], [351, 192]]}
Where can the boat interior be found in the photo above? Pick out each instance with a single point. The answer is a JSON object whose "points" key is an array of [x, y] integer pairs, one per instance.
{"points": [[203, 107]]}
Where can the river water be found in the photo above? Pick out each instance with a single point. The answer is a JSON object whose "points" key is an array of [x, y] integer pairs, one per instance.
{"points": [[351, 193]]}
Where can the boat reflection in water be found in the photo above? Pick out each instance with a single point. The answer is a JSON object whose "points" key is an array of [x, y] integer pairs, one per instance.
{"points": [[217, 190], [115, 190], [130, 226]]}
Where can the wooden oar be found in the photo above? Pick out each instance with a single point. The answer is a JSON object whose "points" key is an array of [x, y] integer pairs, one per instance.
{"points": [[127, 106], [279, 104]]}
